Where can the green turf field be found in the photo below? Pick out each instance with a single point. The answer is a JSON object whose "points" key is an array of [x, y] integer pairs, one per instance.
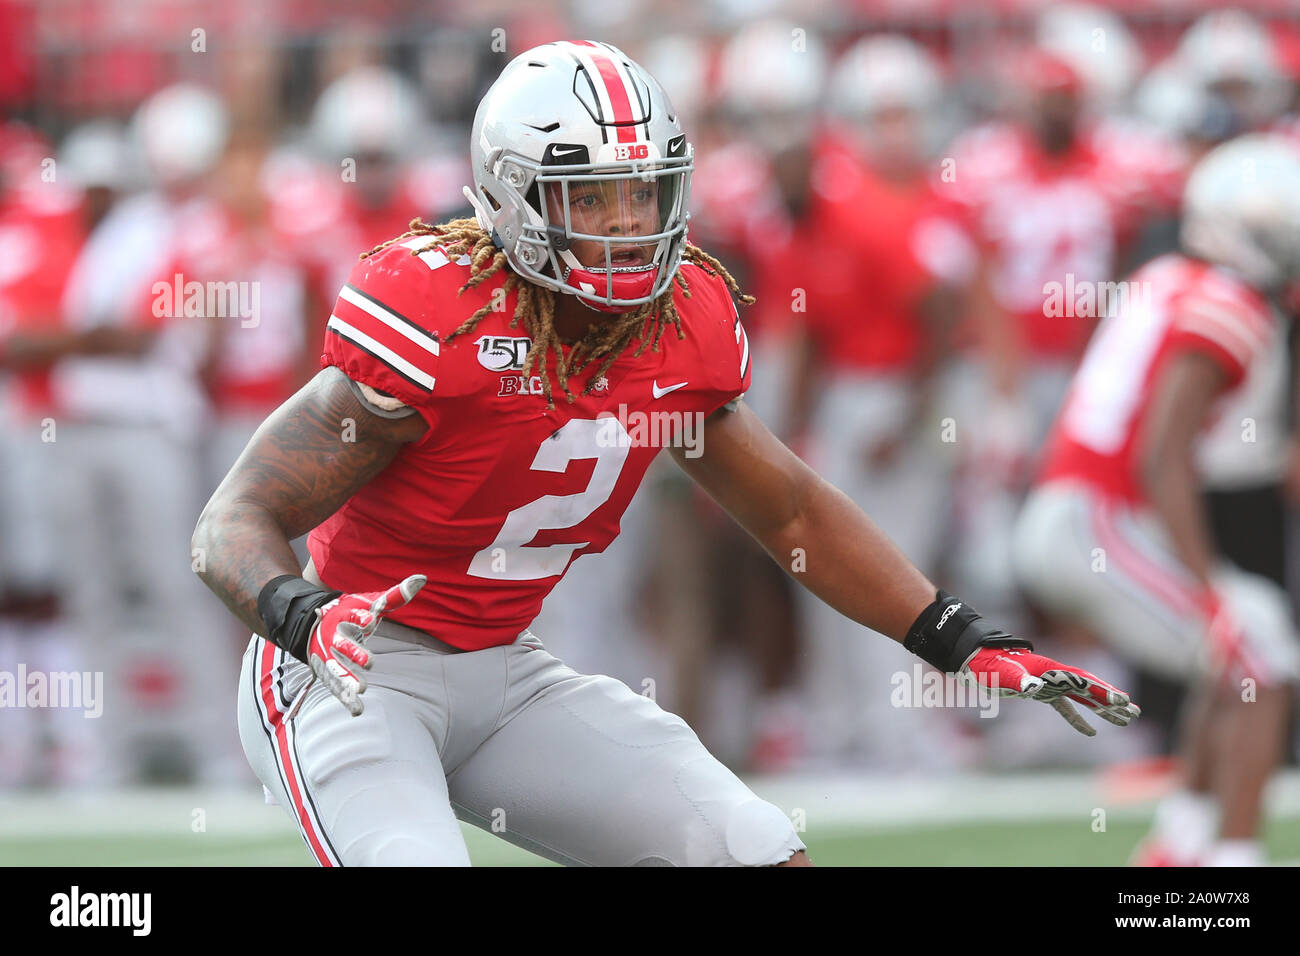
{"points": [[849, 823], [1028, 844]]}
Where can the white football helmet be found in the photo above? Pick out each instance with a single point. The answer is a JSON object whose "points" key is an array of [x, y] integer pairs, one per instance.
{"points": [[1231, 47], [1241, 210], [772, 66], [883, 73], [1097, 44], [1171, 99], [181, 132], [576, 149], [97, 154], [369, 110], [879, 72]]}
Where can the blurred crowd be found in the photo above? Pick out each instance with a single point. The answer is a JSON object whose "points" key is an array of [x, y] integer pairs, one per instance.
{"points": [[917, 200]]}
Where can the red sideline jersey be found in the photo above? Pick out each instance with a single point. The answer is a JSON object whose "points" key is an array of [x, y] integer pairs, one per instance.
{"points": [[896, 239], [501, 494], [1174, 304]]}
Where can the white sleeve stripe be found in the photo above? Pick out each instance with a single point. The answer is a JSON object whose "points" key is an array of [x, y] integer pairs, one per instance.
{"points": [[433, 258], [391, 319], [382, 352], [1233, 345], [1252, 330], [1230, 336], [744, 355]]}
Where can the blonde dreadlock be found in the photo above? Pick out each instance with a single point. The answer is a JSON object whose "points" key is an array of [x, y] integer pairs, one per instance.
{"points": [[535, 307]]}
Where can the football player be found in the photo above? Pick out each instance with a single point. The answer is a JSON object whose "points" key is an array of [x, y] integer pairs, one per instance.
{"points": [[479, 423], [872, 366], [1114, 537]]}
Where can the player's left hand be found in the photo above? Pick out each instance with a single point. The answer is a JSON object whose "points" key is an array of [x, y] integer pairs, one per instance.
{"points": [[1022, 673], [342, 626]]}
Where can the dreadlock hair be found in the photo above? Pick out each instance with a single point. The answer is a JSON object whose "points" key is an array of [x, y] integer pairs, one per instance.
{"points": [[603, 342]]}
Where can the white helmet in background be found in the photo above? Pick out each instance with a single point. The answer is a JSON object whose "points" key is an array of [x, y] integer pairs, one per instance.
{"points": [[97, 154], [574, 134], [887, 74], [1241, 210], [181, 132], [1170, 99], [683, 61], [884, 72], [1097, 44], [371, 110], [1232, 47], [772, 77]]}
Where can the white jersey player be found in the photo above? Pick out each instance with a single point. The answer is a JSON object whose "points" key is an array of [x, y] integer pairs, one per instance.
{"points": [[1114, 536]]}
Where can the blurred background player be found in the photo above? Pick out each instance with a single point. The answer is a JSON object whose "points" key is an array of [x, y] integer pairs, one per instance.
{"points": [[1039, 190], [127, 457], [754, 201], [890, 265], [1115, 536], [42, 226]]}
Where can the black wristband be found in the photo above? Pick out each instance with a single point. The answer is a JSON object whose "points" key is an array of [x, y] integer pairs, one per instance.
{"points": [[949, 632], [287, 605]]}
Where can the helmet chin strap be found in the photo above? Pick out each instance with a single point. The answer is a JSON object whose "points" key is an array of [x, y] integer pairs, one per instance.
{"points": [[480, 213]]}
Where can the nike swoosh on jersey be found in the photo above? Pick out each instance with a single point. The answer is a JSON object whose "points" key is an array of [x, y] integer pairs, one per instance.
{"points": [[661, 392]]}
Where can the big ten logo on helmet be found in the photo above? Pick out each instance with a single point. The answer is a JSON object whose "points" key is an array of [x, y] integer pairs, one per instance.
{"points": [[631, 151], [499, 353]]}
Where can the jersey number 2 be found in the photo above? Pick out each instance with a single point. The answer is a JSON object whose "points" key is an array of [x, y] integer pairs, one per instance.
{"points": [[508, 558]]}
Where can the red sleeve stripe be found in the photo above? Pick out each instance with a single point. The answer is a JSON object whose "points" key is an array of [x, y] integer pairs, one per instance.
{"points": [[282, 738], [383, 353], [395, 321]]}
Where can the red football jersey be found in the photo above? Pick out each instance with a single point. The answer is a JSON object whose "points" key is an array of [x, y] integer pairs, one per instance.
{"points": [[1041, 220], [1174, 304], [39, 243], [259, 357], [893, 238], [501, 494]]}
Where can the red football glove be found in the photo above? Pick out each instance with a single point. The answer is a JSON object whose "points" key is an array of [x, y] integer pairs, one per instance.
{"points": [[1020, 673], [341, 627]]}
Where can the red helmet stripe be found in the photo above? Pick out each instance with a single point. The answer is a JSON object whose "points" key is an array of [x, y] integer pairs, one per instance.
{"points": [[618, 97], [615, 84]]}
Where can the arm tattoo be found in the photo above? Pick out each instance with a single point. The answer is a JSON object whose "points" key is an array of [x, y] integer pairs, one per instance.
{"points": [[308, 458]]}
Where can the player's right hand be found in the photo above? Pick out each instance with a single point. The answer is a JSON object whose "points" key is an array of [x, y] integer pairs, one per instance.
{"points": [[1013, 672], [341, 628]]}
